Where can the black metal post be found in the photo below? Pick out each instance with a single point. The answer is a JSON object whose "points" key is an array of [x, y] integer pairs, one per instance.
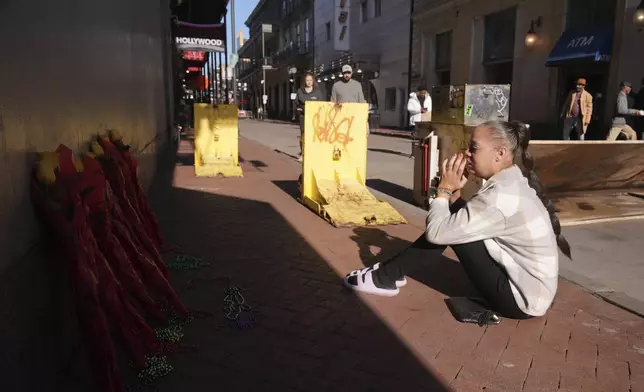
{"points": [[221, 79], [215, 78], [411, 40], [226, 99]]}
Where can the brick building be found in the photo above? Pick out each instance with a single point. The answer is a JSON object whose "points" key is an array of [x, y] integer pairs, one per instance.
{"points": [[281, 36], [376, 44]]}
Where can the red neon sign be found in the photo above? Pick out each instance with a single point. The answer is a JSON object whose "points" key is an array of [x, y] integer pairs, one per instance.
{"points": [[194, 55], [194, 69]]}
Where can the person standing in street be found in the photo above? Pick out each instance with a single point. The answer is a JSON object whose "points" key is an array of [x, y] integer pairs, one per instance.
{"points": [[308, 91], [419, 102], [577, 111], [621, 111], [638, 103], [347, 90]]}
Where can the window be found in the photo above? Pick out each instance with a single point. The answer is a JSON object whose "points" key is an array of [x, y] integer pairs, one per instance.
{"points": [[306, 33], [584, 13], [363, 11], [283, 7], [443, 78], [498, 44], [498, 49], [499, 73], [390, 99], [443, 57], [328, 31], [377, 8]]}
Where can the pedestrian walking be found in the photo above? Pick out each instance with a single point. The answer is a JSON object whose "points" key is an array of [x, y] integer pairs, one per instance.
{"points": [[308, 91], [505, 237], [577, 112], [348, 90], [638, 103], [620, 126]]}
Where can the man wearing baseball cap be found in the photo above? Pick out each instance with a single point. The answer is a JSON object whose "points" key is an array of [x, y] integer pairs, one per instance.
{"points": [[621, 111], [577, 111], [347, 90]]}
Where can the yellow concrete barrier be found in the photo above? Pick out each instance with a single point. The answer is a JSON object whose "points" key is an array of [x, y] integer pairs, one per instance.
{"points": [[335, 167], [216, 141]]}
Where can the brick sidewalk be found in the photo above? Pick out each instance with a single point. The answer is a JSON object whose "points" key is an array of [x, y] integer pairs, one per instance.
{"points": [[313, 335], [379, 131]]}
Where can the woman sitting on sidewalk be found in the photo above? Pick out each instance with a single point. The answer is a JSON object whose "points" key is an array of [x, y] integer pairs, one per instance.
{"points": [[505, 237]]}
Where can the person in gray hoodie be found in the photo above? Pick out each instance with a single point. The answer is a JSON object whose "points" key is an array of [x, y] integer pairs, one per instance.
{"points": [[621, 111], [347, 90]]}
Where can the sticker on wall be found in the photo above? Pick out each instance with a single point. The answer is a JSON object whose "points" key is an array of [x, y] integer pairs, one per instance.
{"points": [[468, 110]]}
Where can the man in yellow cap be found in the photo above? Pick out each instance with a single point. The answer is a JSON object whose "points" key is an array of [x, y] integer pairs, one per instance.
{"points": [[577, 111]]}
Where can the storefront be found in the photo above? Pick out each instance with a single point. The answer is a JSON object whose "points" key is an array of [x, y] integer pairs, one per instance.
{"points": [[584, 53]]}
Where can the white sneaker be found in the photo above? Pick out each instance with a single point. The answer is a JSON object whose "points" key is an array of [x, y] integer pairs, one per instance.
{"points": [[364, 283], [400, 283]]}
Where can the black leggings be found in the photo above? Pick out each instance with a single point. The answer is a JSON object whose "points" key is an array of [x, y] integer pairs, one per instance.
{"points": [[488, 276]]}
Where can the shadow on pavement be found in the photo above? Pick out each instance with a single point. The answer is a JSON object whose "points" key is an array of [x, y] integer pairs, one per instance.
{"points": [[289, 187], [443, 274], [394, 190], [311, 334]]}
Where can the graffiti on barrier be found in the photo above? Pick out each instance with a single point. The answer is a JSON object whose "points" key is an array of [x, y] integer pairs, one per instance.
{"points": [[330, 127]]}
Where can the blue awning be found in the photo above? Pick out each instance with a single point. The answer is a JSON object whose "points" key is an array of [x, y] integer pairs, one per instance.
{"points": [[594, 44]]}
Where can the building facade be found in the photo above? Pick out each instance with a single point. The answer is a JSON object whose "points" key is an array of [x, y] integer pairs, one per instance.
{"points": [[469, 41], [374, 39], [278, 52]]}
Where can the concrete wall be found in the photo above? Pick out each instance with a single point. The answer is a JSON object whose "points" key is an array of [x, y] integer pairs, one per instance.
{"points": [[69, 69], [386, 36], [533, 84], [628, 64], [323, 12]]}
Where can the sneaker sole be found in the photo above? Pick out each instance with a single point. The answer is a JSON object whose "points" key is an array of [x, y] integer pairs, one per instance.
{"points": [[400, 283], [378, 292]]}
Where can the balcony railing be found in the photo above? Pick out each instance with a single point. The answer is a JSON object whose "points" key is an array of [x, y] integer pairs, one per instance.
{"points": [[255, 65]]}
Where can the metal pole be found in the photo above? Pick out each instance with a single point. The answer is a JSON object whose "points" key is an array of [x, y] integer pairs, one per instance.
{"points": [[215, 79], [226, 76], [221, 79], [210, 81], [234, 48], [263, 75], [409, 59], [292, 100]]}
